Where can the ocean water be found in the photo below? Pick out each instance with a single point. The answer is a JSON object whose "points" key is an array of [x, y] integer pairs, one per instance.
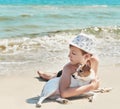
{"points": [[28, 20], [35, 31], [62, 2]]}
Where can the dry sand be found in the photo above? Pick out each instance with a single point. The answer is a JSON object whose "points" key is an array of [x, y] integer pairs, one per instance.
{"points": [[20, 91]]}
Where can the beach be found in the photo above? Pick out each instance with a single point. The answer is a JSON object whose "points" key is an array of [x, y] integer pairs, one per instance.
{"points": [[20, 84], [21, 90], [35, 35], [21, 58]]}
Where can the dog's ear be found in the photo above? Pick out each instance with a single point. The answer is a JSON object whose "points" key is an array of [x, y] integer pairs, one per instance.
{"points": [[86, 71], [86, 68]]}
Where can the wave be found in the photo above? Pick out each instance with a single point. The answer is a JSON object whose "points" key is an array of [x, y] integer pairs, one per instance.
{"points": [[50, 46], [6, 18], [58, 16], [25, 15], [99, 32], [47, 39], [11, 18]]}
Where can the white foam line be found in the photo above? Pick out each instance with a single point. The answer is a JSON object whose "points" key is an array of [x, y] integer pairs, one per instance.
{"points": [[2, 63]]}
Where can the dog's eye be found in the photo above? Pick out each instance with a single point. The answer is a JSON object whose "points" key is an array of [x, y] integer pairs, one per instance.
{"points": [[80, 71]]}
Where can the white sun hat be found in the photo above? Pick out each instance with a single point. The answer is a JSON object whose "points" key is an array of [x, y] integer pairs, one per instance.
{"points": [[84, 42]]}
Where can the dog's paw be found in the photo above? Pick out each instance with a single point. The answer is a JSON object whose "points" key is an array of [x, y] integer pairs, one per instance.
{"points": [[90, 99], [103, 90], [38, 105], [65, 101], [62, 100]]}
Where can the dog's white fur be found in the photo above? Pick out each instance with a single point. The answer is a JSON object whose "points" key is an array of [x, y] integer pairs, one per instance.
{"points": [[51, 88]]}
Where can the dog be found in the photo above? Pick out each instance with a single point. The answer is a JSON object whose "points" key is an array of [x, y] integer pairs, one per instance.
{"points": [[83, 75]]}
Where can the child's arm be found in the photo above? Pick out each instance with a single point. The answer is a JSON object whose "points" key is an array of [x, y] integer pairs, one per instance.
{"points": [[65, 89]]}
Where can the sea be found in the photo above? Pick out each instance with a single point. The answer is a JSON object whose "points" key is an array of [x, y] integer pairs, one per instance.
{"points": [[38, 31]]}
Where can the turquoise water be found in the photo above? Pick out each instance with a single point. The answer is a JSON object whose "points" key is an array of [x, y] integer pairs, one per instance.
{"points": [[62, 2], [22, 20], [19, 18]]}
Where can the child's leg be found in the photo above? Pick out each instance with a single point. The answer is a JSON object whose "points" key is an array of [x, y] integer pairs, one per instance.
{"points": [[46, 76]]}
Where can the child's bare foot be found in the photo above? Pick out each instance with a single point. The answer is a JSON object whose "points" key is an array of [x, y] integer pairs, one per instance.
{"points": [[45, 76]]}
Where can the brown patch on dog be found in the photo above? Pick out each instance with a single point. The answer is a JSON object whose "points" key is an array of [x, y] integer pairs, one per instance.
{"points": [[85, 71]]}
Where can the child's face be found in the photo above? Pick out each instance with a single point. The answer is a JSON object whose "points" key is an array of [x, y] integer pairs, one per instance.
{"points": [[76, 56]]}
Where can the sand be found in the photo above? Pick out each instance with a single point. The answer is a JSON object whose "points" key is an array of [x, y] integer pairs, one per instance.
{"points": [[20, 91]]}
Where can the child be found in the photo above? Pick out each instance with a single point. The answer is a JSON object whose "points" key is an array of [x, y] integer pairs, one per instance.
{"points": [[81, 52]]}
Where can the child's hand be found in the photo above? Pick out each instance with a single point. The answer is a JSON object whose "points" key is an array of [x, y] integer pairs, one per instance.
{"points": [[95, 83]]}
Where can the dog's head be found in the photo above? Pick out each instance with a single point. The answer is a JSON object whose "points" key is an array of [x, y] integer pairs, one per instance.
{"points": [[84, 71]]}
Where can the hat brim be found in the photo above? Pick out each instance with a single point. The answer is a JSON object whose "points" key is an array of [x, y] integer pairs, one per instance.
{"points": [[88, 51]]}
